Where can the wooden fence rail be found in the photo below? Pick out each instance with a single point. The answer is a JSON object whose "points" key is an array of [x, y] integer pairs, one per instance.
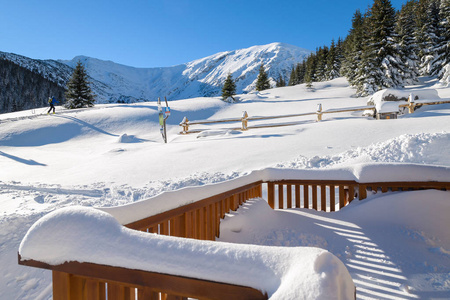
{"points": [[185, 123], [201, 220]]}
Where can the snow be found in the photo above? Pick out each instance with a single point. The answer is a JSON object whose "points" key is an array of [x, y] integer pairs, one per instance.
{"points": [[387, 100], [203, 76], [88, 235], [79, 158]]}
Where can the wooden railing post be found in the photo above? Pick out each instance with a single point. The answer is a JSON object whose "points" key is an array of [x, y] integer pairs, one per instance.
{"points": [[244, 121], [185, 124], [411, 104], [319, 112]]}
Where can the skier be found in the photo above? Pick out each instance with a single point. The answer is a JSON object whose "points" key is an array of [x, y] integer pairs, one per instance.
{"points": [[52, 101]]}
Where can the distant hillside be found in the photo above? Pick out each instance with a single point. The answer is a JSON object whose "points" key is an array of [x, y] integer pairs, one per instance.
{"points": [[202, 77], [22, 89], [112, 82]]}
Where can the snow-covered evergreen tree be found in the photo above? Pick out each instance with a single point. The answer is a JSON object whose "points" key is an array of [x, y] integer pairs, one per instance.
{"points": [[406, 28], [229, 88], [262, 82], [441, 61], [79, 93], [280, 82], [293, 78], [430, 33], [353, 49], [382, 64], [332, 66], [321, 64]]}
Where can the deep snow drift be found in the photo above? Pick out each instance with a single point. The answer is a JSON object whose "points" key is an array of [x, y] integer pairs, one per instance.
{"points": [[83, 157]]}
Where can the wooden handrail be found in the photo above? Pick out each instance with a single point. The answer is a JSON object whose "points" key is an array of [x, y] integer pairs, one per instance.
{"points": [[201, 220], [90, 279]]}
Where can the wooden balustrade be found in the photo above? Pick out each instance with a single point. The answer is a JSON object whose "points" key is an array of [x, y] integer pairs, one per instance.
{"points": [[201, 220], [198, 220], [324, 195]]}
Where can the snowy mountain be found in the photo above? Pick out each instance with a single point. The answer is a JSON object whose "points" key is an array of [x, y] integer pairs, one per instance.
{"points": [[114, 82], [202, 77]]}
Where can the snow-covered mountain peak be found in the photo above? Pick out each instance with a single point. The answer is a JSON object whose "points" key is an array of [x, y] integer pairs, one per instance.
{"points": [[113, 82], [200, 77]]}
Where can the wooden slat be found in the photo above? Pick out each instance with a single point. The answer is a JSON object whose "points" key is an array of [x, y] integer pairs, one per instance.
{"points": [[289, 195], [314, 196], [341, 196], [61, 285], [147, 294], [351, 193], [115, 292], [280, 196], [362, 192], [297, 196], [332, 198], [306, 195], [271, 194], [323, 198]]}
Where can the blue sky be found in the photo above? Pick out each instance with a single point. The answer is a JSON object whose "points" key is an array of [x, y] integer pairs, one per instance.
{"points": [[160, 33]]}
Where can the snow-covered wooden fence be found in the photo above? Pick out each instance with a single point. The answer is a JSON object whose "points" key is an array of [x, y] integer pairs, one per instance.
{"points": [[196, 212], [186, 124]]}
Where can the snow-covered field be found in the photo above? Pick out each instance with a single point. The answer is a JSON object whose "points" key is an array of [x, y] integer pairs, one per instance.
{"points": [[113, 154]]}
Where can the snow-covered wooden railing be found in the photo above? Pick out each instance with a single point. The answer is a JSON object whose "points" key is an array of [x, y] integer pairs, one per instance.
{"points": [[185, 123], [195, 213]]}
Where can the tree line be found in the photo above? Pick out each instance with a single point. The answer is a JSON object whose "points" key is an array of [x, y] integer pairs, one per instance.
{"points": [[384, 48]]}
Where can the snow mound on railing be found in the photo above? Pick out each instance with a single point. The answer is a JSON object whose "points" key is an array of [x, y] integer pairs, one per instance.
{"points": [[89, 235]]}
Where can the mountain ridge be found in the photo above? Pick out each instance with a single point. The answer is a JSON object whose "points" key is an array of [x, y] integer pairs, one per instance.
{"points": [[113, 82]]}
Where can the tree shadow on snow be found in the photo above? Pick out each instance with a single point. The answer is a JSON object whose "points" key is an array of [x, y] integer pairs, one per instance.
{"points": [[29, 162]]}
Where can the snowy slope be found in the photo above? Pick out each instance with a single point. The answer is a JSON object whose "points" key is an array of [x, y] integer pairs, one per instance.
{"points": [[82, 157], [55, 71], [113, 82], [202, 77]]}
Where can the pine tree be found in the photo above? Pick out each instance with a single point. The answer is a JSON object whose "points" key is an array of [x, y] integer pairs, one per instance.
{"points": [[229, 88], [262, 82], [353, 49], [300, 70], [280, 82], [441, 61], [332, 66], [310, 69], [430, 37], [382, 65], [293, 80], [79, 93], [321, 63], [406, 28]]}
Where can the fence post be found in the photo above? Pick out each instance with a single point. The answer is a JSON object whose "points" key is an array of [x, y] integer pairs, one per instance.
{"points": [[244, 121], [185, 125], [319, 112], [411, 104]]}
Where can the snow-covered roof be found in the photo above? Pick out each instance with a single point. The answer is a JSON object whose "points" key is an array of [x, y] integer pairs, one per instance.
{"points": [[89, 235], [386, 100]]}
